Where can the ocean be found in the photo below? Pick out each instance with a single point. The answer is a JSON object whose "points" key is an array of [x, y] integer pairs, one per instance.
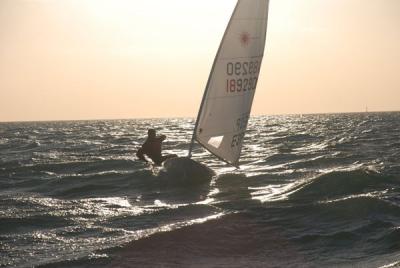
{"points": [[311, 191]]}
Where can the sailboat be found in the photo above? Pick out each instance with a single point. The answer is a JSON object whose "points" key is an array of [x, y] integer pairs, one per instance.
{"points": [[226, 105], [225, 108]]}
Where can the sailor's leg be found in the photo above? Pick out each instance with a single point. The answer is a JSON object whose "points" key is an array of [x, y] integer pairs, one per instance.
{"points": [[157, 160]]}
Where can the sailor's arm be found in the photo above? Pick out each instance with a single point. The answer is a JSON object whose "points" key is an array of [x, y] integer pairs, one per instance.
{"points": [[140, 155], [162, 137]]}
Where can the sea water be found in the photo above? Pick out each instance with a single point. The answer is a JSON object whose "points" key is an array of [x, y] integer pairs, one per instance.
{"points": [[311, 191]]}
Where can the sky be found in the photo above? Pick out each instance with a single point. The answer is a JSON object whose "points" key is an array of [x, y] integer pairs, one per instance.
{"points": [[110, 59]]}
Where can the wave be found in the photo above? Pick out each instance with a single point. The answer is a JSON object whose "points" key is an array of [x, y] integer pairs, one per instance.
{"points": [[13, 225], [85, 190], [75, 167], [78, 186], [232, 188], [338, 237], [359, 207], [309, 160], [333, 184], [21, 146], [342, 183], [364, 236], [282, 158], [293, 138]]}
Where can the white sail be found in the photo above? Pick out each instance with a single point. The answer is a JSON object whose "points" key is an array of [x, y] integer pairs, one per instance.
{"points": [[227, 101]]}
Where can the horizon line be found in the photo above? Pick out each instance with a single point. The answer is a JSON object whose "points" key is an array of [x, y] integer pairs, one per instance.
{"points": [[190, 117]]}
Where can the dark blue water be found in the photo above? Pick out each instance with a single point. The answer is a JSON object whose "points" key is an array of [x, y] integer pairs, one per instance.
{"points": [[312, 191]]}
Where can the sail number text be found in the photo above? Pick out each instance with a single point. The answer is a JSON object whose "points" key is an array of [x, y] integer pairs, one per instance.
{"points": [[242, 68], [248, 73], [241, 123], [237, 139]]}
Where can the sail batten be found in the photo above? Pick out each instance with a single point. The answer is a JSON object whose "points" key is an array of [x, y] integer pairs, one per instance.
{"points": [[225, 109]]}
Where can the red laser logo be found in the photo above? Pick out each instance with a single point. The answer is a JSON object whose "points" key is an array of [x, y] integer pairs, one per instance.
{"points": [[245, 39]]}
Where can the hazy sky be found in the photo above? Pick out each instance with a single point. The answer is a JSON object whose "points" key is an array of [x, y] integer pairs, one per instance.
{"points": [[88, 59]]}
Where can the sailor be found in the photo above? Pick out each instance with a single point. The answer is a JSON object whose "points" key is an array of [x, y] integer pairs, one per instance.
{"points": [[152, 148]]}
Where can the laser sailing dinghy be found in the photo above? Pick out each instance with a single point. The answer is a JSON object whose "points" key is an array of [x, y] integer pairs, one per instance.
{"points": [[225, 108]]}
